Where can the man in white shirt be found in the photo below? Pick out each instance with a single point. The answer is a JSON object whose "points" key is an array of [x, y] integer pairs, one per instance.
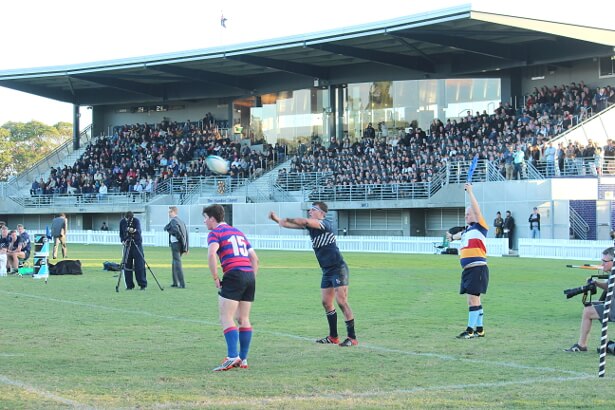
{"points": [[102, 191]]}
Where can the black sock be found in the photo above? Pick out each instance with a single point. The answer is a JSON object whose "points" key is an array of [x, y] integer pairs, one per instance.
{"points": [[350, 329], [332, 319]]}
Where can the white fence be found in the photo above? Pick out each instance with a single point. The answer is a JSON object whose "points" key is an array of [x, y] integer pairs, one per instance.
{"points": [[382, 244], [528, 248], [562, 248]]}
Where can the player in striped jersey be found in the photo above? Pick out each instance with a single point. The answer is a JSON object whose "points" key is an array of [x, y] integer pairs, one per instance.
{"points": [[237, 287], [334, 283], [473, 257]]}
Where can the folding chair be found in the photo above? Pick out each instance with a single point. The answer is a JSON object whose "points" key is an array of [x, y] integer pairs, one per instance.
{"points": [[440, 247], [25, 267]]}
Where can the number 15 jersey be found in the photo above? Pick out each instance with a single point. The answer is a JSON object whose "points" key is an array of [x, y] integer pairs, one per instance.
{"points": [[233, 250]]}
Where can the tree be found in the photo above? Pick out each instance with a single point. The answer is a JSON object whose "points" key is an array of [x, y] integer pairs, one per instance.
{"points": [[5, 154], [24, 144]]}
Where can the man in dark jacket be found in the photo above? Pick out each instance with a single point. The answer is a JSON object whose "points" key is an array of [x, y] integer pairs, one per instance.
{"points": [[178, 240], [134, 261], [509, 229]]}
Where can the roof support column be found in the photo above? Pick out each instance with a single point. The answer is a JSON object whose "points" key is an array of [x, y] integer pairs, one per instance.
{"points": [[230, 115], [331, 113], [76, 116], [339, 113]]}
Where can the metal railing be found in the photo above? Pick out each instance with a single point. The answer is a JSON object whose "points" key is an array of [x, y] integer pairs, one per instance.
{"points": [[274, 187], [81, 200], [579, 227], [370, 192], [58, 155]]}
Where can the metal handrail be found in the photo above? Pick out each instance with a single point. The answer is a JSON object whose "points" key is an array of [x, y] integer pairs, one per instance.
{"points": [[44, 165], [578, 225]]}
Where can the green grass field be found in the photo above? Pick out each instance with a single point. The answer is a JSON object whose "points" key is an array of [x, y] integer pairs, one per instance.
{"points": [[76, 343]]}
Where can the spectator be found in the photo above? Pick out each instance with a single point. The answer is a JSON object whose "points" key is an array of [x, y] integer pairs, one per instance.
{"points": [[509, 229], [498, 224], [34, 189], [534, 221], [369, 132], [5, 242], [102, 191], [18, 249], [549, 156], [601, 99], [59, 231], [519, 162]]}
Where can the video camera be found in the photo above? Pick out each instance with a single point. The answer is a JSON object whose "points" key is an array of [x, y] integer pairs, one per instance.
{"points": [[129, 218], [588, 289]]}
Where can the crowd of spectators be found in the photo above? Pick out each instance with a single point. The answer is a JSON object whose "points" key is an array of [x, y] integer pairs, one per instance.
{"points": [[138, 157], [507, 137]]}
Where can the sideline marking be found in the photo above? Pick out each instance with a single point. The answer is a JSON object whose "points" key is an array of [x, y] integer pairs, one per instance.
{"points": [[352, 395], [43, 393], [297, 337]]}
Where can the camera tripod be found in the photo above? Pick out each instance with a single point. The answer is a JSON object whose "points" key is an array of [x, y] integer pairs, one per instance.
{"points": [[125, 252]]}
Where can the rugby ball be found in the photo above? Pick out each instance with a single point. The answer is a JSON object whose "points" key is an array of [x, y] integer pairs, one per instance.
{"points": [[216, 164]]}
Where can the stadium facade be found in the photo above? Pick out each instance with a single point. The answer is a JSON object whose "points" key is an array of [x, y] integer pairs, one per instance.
{"points": [[398, 74]]}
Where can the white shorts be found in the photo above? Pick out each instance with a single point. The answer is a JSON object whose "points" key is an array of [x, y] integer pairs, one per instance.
{"points": [[3, 264]]}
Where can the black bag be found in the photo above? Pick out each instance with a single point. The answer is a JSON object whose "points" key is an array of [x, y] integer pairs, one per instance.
{"points": [[450, 251], [112, 266], [66, 267]]}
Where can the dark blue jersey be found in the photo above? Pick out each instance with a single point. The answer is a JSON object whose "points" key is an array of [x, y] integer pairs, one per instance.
{"points": [[4, 242], [325, 245], [25, 241]]}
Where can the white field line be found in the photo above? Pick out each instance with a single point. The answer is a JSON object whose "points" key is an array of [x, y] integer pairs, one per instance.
{"points": [[573, 374], [284, 400], [43, 393], [292, 336]]}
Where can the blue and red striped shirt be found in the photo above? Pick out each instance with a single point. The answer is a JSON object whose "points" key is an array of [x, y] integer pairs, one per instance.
{"points": [[233, 250]]}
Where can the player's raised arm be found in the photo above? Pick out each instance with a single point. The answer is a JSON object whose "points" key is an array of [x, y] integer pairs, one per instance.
{"points": [[473, 202], [295, 223]]}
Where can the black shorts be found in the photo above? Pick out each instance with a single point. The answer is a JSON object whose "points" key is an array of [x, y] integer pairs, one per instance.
{"points": [[475, 280], [238, 285], [335, 276], [599, 306]]}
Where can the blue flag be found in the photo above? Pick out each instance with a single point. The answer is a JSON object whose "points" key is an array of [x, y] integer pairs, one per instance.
{"points": [[472, 168]]}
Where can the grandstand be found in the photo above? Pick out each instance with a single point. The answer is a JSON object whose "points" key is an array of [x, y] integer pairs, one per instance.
{"points": [[380, 121]]}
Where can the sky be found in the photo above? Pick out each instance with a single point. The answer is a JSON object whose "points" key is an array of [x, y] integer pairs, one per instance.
{"points": [[63, 32]]}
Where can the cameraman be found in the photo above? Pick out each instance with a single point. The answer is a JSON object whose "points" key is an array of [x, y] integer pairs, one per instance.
{"points": [[594, 311], [130, 234]]}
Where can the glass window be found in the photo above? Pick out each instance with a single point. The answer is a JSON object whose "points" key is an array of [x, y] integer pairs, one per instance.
{"points": [[607, 66], [390, 106]]}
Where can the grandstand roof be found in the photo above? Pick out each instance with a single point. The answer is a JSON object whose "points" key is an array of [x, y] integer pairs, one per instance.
{"points": [[450, 43]]}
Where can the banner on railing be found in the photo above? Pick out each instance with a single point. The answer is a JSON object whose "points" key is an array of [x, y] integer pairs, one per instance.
{"points": [[222, 199]]}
